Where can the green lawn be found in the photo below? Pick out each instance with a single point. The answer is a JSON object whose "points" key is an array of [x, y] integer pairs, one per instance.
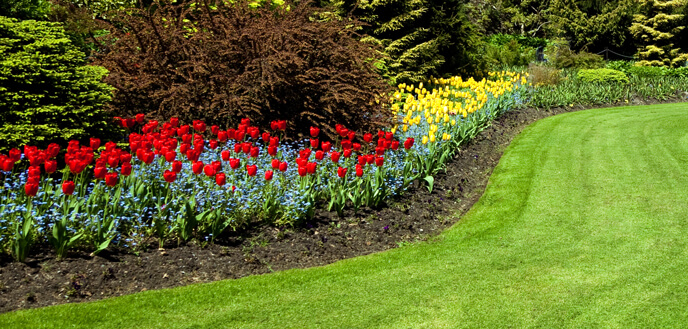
{"points": [[584, 224]]}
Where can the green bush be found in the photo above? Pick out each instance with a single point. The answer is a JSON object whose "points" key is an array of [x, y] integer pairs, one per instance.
{"points": [[622, 66], [46, 92], [25, 9], [602, 75], [566, 58], [508, 54]]}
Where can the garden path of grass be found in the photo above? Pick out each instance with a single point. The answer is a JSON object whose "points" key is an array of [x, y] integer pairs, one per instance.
{"points": [[584, 224]]}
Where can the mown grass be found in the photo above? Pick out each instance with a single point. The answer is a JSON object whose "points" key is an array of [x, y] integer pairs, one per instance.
{"points": [[583, 224]]}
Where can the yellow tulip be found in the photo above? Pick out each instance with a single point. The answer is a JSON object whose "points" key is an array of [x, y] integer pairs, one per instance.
{"points": [[424, 140]]}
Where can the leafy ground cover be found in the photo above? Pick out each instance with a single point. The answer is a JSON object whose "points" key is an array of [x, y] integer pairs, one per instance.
{"points": [[581, 225]]}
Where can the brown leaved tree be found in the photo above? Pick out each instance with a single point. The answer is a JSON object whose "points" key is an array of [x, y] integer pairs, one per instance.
{"points": [[222, 61]]}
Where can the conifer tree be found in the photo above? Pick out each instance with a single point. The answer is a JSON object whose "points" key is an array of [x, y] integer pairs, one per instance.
{"points": [[655, 28]]}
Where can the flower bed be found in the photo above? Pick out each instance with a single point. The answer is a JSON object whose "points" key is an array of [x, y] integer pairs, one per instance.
{"points": [[180, 182]]}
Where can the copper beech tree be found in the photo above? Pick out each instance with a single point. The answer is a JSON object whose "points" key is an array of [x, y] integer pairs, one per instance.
{"points": [[221, 61]]}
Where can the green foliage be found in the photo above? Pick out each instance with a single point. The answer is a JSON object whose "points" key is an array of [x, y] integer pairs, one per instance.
{"points": [[501, 39], [516, 17], [570, 92], [422, 38], [622, 66], [509, 54], [657, 71], [46, 92], [602, 75], [655, 28], [592, 24], [25, 9], [561, 56]]}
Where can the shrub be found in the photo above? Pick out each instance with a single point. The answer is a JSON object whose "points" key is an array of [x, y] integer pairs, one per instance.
{"points": [[566, 58], [622, 66], [25, 9], [602, 75], [544, 75], [647, 71], [223, 61], [508, 54], [46, 93]]}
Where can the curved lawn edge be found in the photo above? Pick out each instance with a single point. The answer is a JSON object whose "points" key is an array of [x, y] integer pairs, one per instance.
{"points": [[500, 266]]}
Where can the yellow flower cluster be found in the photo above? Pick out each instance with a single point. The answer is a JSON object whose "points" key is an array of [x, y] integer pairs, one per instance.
{"points": [[449, 100]]}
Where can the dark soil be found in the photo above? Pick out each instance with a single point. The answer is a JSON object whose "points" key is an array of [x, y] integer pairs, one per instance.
{"points": [[43, 281]]}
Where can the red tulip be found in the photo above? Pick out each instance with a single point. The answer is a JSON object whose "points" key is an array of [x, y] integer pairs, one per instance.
{"points": [[254, 132], [311, 166], [408, 143], [177, 166], [225, 155], [246, 147], [314, 143], [214, 129], [344, 132], [389, 135], [170, 176], [305, 153], [266, 137], [302, 171], [94, 143], [380, 142], [197, 167], [346, 153], [199, 126], [217, 165], [239, 136], [319, 155], [246, 121], [314, 132], [15, 155], [368, 137], [31, 189], [129, 122], [380, 134], [379, 150], [326, 146], [275, 163], [50, 166], [125, 157], [99, 172], [221, 179], [394, 145], [346, 144], [359, 171], [234, 163], [274, 141], [222, 136], [251, 169], [237, 147], [174, 122], [113, 161], [268, 175], [186, 138], [356, 146], [282, 124], [183, 130], [341, 172], [111, 179], [255, 151], [212, 144], [370, 158], [209, 170], [8, 165], [283, 166], [362, 160], [274, 125], [53, 150], [126, 169], [335, 156], [272, 150], [352, 135], [68, 187], [140, 117], [379, 161], [33, 180]]}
